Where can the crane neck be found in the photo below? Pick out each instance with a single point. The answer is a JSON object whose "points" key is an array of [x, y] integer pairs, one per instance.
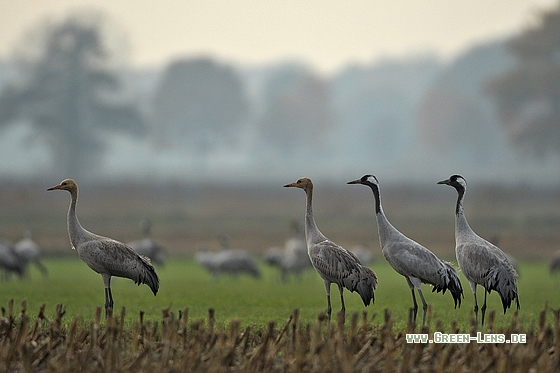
{"points": [[461, 224], [312, 233], [75, 230], [384, 227]]}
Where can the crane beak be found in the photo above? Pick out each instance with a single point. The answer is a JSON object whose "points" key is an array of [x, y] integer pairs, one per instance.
{"points": [[447, 182], [359, 181], [57, 187], [290, 185]]}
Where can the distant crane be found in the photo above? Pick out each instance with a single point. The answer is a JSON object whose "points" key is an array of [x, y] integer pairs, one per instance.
{"points": [[296, 259], [363, 253], [293, 257], [274, 256], [231, 261], [28, 251], [9, 261], [555, 263], [105, 255], [480, 261], [334, 263], [147, 246], [410, 259]]}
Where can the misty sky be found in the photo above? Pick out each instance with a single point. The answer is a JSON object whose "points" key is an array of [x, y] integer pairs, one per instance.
{"points": [[324, 33]]}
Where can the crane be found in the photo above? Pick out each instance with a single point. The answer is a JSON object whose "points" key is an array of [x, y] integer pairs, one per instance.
{"points": [[28, 251], [482, 262], [332, 262], [407, 257], [104, 255], [147, 246]]}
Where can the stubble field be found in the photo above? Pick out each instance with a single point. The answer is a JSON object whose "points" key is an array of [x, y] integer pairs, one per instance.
{"points": [[523, 222]]}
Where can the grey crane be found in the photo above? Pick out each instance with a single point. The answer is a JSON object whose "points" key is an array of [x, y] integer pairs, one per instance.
{"points": [[407, 257], [332, 262], [363, 253], [293, 257], [105, 255], [274, 256], [231, 261], [235, 261], [554, 265], [482, 262], [147, 246], [28, 251], [9, 260]]}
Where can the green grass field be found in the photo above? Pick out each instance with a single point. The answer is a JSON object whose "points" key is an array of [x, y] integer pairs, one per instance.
{"points": [[184, 284]]}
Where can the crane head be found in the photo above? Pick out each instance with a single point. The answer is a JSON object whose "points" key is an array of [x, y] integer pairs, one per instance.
{"points": [[456, 181], [66, 184], [365, 180], [303, 183]]}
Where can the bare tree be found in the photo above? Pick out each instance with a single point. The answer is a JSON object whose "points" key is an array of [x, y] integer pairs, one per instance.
{"points": [[199, 105], [528, 95], [297, 110], [70, 90]]}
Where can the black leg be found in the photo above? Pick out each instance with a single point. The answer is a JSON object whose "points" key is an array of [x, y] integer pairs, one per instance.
{"points": [[424, 306], [328, 289], [108, 301], [475, 308], [343, 309], [483, 309], [415, 305]]}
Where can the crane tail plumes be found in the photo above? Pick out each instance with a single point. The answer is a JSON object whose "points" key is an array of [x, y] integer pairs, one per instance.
{"points": [[148, 275], [502, 279], [450, 281], [366, 285]]}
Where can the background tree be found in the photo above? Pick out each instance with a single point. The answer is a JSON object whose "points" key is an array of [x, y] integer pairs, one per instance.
{"points": [[528, 95], [455, 117], [69, 88], [199, 105], [297, 110]]}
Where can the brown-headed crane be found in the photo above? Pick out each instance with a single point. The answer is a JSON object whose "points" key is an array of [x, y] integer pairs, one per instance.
{"points": [[105, 255], [333, 262]]}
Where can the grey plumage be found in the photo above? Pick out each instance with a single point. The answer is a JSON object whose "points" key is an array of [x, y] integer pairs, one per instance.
{"points": [[332, 262], [105, 255], [9, 260], [363, 253], [410, 259], [293, 257], [481, 262], [28, 251], [274, 256], [230, 261], [555, 263], [296, 259], [147, 246]]}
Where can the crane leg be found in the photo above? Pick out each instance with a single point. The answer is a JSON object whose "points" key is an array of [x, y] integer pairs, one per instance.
{"points": [[343, 309], [328, 289], [483, 309], [475, 309], [108, 296], [108, 301], [415, 305], [424, 306]]}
